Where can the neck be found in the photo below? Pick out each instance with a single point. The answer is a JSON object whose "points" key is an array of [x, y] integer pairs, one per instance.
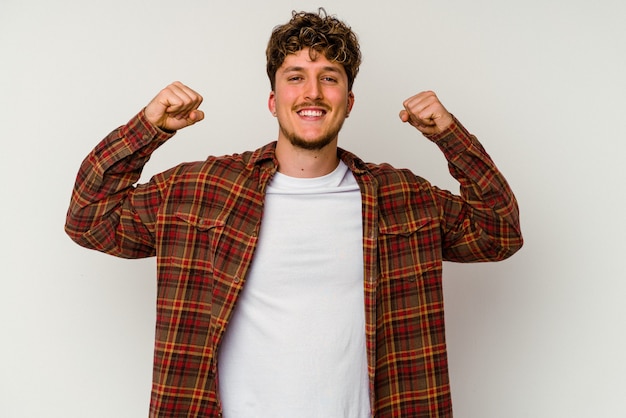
{"points": [[303, 163]]}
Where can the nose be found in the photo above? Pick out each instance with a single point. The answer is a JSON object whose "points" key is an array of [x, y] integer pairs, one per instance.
{"points": [[312, 90]]}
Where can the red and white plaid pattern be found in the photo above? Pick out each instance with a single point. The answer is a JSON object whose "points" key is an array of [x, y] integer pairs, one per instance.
{"points": [[201, 222]]}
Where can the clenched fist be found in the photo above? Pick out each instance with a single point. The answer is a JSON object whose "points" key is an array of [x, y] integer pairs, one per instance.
{"points": [[174, 108], [425, 112]]}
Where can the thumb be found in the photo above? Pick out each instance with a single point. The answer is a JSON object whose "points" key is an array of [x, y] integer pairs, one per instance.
{"points": [[195, 116], [404, 115]]}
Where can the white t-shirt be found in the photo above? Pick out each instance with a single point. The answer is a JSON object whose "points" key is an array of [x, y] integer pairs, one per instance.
{"points": [[295, 346]]}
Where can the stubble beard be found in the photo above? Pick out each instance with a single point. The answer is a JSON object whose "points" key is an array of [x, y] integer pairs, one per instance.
{"points": [[308, 144]]}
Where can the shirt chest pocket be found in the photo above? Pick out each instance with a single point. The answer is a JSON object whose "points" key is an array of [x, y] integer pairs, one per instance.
{"points": [[407, 249], [196, 237]]}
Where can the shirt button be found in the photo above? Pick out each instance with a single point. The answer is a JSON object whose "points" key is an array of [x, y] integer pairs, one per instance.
{"points": [[237, 279]]}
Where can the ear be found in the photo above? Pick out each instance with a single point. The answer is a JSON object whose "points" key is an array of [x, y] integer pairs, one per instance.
{"points": [[271, 103], [350, 103]]}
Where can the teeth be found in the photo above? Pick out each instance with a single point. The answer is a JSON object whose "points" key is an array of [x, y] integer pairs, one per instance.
{"points": [[311, 113]]}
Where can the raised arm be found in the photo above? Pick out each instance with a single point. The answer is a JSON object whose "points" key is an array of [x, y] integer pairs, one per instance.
{"points": [[107, 212], [482, 224]]}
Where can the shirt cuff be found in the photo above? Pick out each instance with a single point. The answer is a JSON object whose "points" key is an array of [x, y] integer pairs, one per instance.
{"points": [[454, 140], [141, 133]]}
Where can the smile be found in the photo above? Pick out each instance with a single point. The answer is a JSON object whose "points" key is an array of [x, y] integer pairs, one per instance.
{"points": [[311, 113]]}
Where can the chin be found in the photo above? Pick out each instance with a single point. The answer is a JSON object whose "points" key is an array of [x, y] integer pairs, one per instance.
{"points": [[311, 144]]}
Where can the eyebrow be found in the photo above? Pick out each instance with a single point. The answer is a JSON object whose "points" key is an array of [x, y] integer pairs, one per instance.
{"points": [[297, 68]]}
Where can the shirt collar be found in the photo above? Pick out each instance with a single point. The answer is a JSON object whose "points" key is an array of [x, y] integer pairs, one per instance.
{"points": [[265, 157]]}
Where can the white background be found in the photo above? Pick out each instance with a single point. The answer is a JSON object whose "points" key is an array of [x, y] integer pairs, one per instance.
{"points": [[541, 83]]}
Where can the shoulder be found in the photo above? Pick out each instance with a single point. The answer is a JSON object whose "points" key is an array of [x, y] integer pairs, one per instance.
{"points": [[387, 173], [384, 174], [224, 174], [226, 166]]}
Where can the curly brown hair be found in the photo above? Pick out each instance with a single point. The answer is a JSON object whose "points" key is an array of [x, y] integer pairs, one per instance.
{"points": [[319, 32]]}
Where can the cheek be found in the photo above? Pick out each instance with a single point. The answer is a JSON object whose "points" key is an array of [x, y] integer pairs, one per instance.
{"points": [[279, 104], [339, 99]]}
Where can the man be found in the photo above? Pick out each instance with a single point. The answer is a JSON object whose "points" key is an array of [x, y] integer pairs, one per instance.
{"points": [[296, 280]]}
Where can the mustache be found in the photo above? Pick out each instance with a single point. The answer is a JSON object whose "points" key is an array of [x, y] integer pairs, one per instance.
{"points": [[318, 104]]}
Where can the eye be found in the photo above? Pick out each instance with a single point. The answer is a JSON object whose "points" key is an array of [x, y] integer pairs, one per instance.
{"points": [[329, 79], [294, 78]]}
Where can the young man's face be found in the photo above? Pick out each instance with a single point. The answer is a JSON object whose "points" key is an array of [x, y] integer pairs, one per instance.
{"points": [[310, 99]]}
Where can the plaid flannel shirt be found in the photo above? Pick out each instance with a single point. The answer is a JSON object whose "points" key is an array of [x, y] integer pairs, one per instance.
{"points": [[201, 221]]}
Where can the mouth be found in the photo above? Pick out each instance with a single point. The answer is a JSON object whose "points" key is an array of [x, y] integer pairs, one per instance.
{"points": [[311, 110], [311, 113]]}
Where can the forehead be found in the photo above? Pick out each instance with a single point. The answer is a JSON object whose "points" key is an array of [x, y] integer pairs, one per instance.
{"points": [[305, 60]]}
